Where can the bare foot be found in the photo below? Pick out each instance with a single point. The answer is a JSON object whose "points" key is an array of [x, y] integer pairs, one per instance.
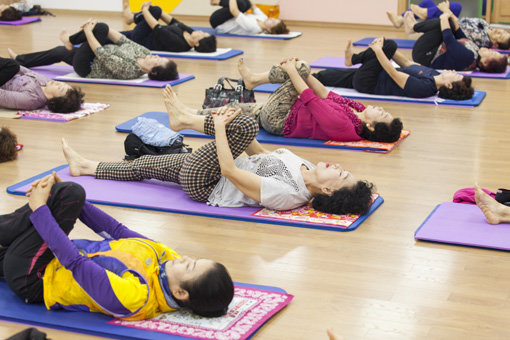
{"points": [[409, 22], [215, 2], [420, 12], [78, 166], [396, 20], [127, 15], [12, 55], [177, 111], [494, 211], [348, 53], [246, 74], [64, 37]]}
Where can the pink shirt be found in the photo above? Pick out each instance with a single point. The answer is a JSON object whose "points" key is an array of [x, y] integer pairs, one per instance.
{"points": [[328, 118], [23, 91]]}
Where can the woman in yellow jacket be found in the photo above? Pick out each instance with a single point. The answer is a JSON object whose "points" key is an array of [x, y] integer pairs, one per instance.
{"points": [[126, 275]]}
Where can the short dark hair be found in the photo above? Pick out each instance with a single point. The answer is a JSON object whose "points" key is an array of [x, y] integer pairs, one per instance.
{"points": [[210, 294], [10, 14], [8, 143], [280, 28], [207, 44], [168, 72], [71, 102], [494, 65], [504, 45], [383, 132], [355, 200], [460, 90]]}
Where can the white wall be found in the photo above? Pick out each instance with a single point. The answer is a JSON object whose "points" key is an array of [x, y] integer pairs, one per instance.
{"points": [[90, 5]]}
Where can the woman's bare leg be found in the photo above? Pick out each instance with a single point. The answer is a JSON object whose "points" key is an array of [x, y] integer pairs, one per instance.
{"points": [[420, 12], [348, 53], [494, 211], [181, 117], [396, 20], [251, 79], [409, 22], [127, 15]]}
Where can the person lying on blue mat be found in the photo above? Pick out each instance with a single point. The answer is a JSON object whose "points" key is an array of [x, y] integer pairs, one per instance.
{"points": [[172, 37], [126, 275], [377, 75], [444, 45], [214, 173], [495, 211], [103, 53]]}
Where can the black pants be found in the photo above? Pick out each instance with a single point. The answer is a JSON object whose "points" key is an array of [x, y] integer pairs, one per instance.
{"points": [[24, 255], [79, 57], [8, 69], [363, 79], [426, 46], [223, 14], [142, 33]]}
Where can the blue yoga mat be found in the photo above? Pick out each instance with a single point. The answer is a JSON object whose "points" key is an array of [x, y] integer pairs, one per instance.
{"points": [[169, 197], [263, 136], [13, 309], [210, 30], [203, 56], [475, 101]]}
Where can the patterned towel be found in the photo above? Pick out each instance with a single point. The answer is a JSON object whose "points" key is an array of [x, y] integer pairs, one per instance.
{"points": [[310, 215], [377, 146], [44, 114], [247, 312]]}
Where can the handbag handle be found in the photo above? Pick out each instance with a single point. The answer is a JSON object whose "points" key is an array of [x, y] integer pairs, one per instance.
{"points": [[223, 79]]}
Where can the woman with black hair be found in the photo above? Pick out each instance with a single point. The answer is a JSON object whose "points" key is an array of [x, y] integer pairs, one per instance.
{"points": [[172, 37], [378, 76], [98, 57], [126, 275], [303, 108], [9, 13], [8, 145], [216, 174], [22, 89]]}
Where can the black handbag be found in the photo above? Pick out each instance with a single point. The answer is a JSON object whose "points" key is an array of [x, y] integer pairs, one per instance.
{"points": [[219, 95], [135, 148]]}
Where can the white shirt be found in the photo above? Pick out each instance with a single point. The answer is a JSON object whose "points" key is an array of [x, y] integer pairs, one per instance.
{"points": [[282, 185], [243, 24]]}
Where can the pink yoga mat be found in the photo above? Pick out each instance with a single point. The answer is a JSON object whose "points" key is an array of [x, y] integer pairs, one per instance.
{"points": [[463, 224]]}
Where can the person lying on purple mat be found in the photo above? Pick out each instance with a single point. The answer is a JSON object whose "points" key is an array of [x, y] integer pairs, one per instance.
{"points": [[103, 53], [126, 275], [443, 45], [9, 13], [23, 89], [427, 9], [494, 211], [215, 173]]}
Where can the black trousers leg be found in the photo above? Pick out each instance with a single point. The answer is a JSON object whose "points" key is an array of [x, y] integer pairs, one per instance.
{"points": [[142, 33], [84, 55], [365, 77], [26, 257], [52, 56], [8, 69], [337, 78], [426, 46], [223, 14]]}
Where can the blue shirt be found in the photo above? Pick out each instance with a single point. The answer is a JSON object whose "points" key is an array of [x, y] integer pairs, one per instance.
{"points": [[420, 84]]}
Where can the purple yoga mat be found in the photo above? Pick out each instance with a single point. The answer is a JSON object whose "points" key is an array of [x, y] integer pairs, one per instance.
{"points": [[331, 62], [56, 71], [463, 224], [477, 74], [22, 21]]}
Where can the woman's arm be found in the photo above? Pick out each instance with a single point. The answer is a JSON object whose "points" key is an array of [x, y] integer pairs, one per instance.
{"points": [[318, 88], [248, 183], [149, 19], [256, 149], [166, 17], [115, 36], [20, 100], [89, 34], [234, 10], [289, 66], [398, 77]]}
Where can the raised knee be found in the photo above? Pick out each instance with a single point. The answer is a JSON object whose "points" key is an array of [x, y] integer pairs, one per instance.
{"points": [[69, 191], [155, 11], [303, 68], [101, 28]]}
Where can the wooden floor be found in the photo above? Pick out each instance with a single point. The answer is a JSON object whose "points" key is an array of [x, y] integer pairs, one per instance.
{"points": [[374, 283]]}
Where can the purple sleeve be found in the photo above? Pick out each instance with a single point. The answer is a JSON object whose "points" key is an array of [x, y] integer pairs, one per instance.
{"points": [[105, 225], [90, 276]]}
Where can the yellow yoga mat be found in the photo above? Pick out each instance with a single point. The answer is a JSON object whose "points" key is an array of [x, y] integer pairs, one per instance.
{"points": [[166, 5]]}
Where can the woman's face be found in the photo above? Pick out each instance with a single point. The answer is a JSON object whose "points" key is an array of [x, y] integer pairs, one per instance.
{"points": [[376, 114], [270, 23], [186, 269], [198, 35], [450, 76], [333, 177], [56, 89], [151, 61], [488, 54], [497, 35]]}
